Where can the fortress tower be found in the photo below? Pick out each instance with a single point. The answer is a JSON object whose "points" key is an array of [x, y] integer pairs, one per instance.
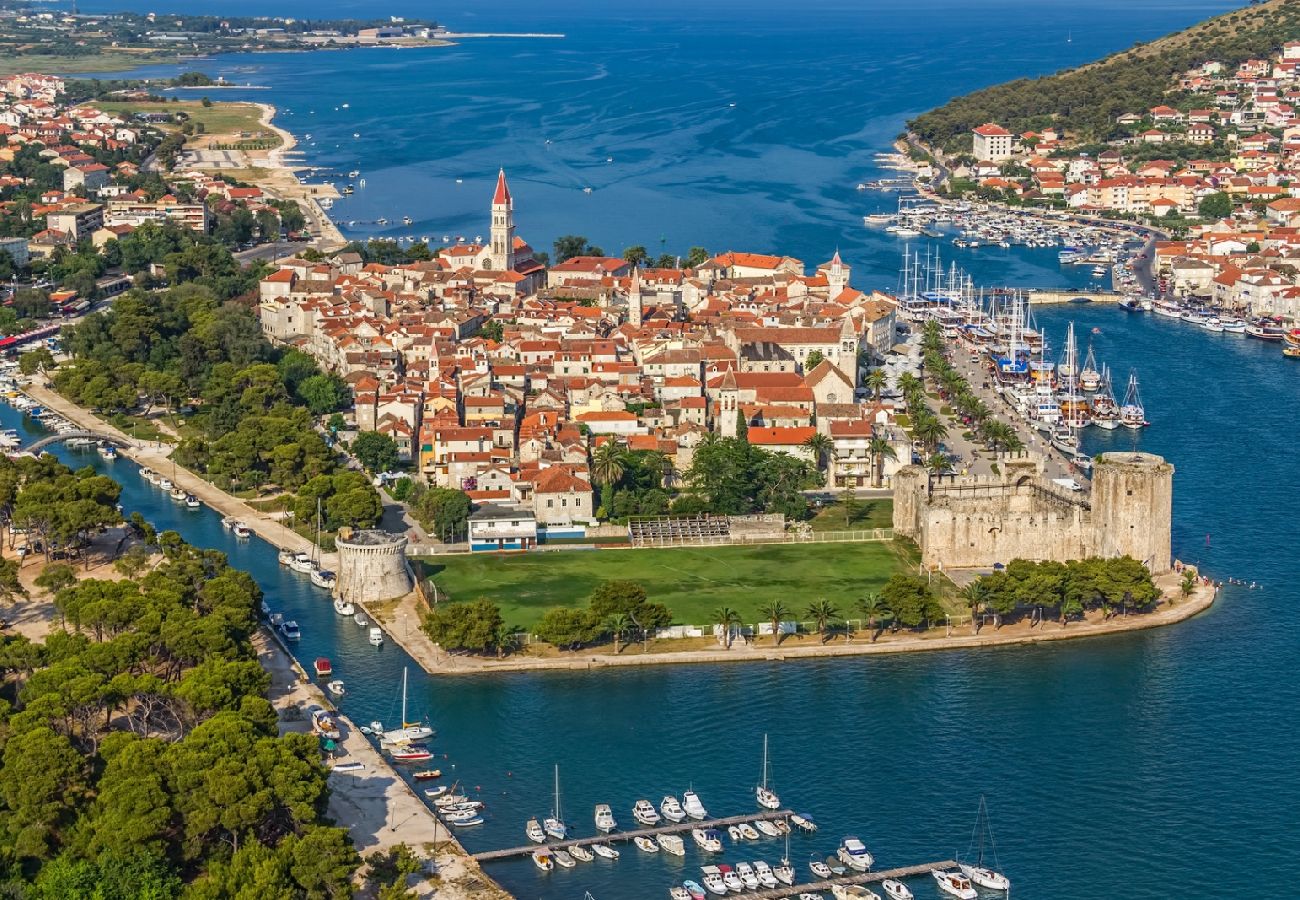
{"points": [[1132, 508], [372, 567], [502, 243]]}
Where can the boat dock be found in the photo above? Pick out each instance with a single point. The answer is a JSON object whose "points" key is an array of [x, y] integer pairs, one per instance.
{"points": [[857, 878], [670, 828]]}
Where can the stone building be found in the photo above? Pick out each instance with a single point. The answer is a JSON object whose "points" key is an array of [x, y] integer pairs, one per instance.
{"points": [[372, 566], [975, 522]]}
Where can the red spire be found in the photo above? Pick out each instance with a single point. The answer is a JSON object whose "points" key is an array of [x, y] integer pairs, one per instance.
{"points": [[503, 192]]}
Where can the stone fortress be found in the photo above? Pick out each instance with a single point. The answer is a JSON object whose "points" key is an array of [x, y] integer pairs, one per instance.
{"points": [[372, 566], [975, 522]]}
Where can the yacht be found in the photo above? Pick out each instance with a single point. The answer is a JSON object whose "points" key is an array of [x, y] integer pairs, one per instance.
{"points": [[410, 731], [745, 872], [605, 850], [672, 810], [242, 531], [285, 557], [694, 808], [376, 636], [784, 873], [854, 854], [302, 562], [192, 502], [290, 630], [605, 818], [763, 872], [956, 884], [712, 878], [671, 843], [896, 889], [344, 608], [324, 578], [986, 878], [707, 839], [765, 796], [542, 860], [1132, 414], [554, 823], [645, 813], [645, 844]]}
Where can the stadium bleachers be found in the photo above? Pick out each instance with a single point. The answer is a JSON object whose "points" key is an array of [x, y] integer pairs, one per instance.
{"points": [[678, 531]]}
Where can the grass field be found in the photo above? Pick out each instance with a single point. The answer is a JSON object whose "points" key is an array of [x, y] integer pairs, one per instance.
{"points": [[107, 61], [878, 512], [691, 581], [220, 120]]}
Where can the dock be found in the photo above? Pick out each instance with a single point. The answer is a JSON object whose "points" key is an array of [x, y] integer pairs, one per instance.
{"points": [[858, 878], [670, 828]]}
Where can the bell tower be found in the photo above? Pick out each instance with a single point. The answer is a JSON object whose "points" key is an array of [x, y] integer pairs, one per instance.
{"points": [[502, 242]]}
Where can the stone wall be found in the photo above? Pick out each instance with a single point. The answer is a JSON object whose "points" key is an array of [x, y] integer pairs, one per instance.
{"points": [[372, 567]]}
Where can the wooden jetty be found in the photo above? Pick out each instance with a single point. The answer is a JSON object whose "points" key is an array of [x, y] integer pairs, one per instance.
{"points": [[670, 828], [856, 878]]}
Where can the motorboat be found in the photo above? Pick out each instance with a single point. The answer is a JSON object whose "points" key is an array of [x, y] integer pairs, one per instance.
{"points": [[644, 843], [732, 880], [542, 859], [148, 475], [804, 821], [336, 688], [763, 872], [896, 889], [747, 831], [677, 892], [108, 451], [768, 828], [435, 792], [852, 892], [285, 557], [745, 872], [166, 484], [410, 753], [985, 878], [1132, 414], [694, 808], [605, 850], [734, 833], [707, 839], [242, 531], [712, 877], [323, 667], [266, 608], [466, 823], [672, 810], [581, 853], [302, 562], [361, 619], [605, 818], [671, 843], [178, 494], [694, 890], [427, 774], [819, 868], [854, 854], [450, 800], [322, 723], [192, 502], [290, 630], [644, 812], [276, 619], [324, 578], [376, 636], [956, 884], [228, 522], [343, 607], [563, 859]]}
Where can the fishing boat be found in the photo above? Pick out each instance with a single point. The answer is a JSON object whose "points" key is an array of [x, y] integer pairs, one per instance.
{"points": [[410, 731], [242, 531], [409, 753], [956, 884], [644, 812], [605, 818], [1265, 330], [323, 667], [1132, 414], [763, 872], [542, 859], [324, 578], [1105, 411], [336, 688], [707, 839], [896, 890], [672, 810], [427, 774], [645, 844], [977, 871], [554, 823], [605, 850], [854, 854], [694, 808], [765, 796], [463, 820], [712, 877], [671, 843], [435, 791], [745, 872], [290, 630], [343, 607]]}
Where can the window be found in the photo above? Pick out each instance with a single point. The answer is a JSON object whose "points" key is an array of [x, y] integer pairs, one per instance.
{"points": [[550, 503]]}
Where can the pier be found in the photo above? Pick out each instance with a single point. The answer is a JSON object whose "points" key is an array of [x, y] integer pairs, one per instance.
{"points": [[856, 878], [649, 832]]}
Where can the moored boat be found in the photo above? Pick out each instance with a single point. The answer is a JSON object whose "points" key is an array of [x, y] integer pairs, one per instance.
{"points": [[644, 812], [671, 809], [409, 753], [956, 884], [694, 808], [707, 839], [605, 818], [895, 889], [854, 854], [766, 797], [285, 557], [542, 859], [336, 688], [324, 578], [645, 844], [242, 531], [323, 667], [290, 630], [605, 850], [343, 607], [581, 853], [427, 774], [671, 843]]}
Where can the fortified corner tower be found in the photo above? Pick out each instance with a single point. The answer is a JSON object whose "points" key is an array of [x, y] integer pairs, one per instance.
{"points": [[372, 566], [1132, 508], [502, 243]]}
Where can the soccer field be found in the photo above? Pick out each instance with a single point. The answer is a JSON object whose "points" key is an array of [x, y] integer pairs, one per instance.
{"points": [[691, 581]]}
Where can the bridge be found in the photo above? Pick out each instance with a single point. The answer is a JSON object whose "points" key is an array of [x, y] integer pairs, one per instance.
{"points": [[1057, 295], [44, 442]]}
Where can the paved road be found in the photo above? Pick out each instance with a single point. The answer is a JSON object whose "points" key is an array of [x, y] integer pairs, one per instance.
{"points": [[273, 251]]}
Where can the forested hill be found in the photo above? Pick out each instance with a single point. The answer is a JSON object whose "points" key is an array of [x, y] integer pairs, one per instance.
{"points": [[1086, 101]]}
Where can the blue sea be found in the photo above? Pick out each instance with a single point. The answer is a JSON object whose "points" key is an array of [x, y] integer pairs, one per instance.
{"points": [[1144, 766]]}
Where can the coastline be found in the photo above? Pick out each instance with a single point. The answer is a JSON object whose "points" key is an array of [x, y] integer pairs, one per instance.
{"points": [[282, 181]]}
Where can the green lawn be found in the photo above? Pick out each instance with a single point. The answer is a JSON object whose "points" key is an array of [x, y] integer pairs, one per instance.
{"points": [[691, 581], [221, 119], [876, 512]]}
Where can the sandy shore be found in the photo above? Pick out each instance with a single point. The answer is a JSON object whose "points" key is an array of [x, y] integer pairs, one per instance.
{"points": [[282, 181]]}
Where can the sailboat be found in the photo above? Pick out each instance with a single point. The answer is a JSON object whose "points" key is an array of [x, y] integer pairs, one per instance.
{"points": [[554, 824], [1132, 414], [785, 872], [410, 731], [977, 871], [1089, 377], [1105, 411], [766, 797], [322, 577]]}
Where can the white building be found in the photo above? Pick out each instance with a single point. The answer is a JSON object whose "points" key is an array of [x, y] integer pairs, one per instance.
{"points": [[992, 142]]}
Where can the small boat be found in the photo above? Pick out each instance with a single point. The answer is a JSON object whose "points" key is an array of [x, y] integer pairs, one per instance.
{"points": [[465, 822], [763, 872], [854, 854], [302, 562], [108, 451], [427, 774], [290, 630], [322, 723], [410, 753], [819, 868], [266, 608], [376, 636], [343, 607], [785, 872], [228, 522], [324, 578], [605, 850], [177, 494], [605, 818], [336, 688], [747, 831], [563, 859], [192, 502], [284, 556], [436, 791], [645, 813], [242, 531], [896, 889], [767, 828], [323, 667], [672, 810], [276, 619], [151, 476], [542, 859], [533, 830], [731, 879], [694, 890], [852, 892], [745, 872], [734, 833], [165, 484], [581, 853], [360, 619], [804, 821], [713, 880], [671, 843], [956, 884], [694, 808], [707, 839], [645, 844]]}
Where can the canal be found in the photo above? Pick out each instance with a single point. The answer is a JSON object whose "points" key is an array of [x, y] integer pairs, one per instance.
{"points": [[1104, 761]]}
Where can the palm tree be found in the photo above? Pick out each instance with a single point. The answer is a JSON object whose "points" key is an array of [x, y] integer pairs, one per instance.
{"points": [[821, 612], [618, 625], [907, 383], [776, 613], [729, 619], [976, 594], [820, 445], [872, 607], [880, 450], [1188, 583], [877, 381], [929, 430], [608, 462]]}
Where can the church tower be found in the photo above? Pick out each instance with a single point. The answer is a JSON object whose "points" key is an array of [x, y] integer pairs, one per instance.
{"points": [[502, 245], [837, 275], [635, 311]]}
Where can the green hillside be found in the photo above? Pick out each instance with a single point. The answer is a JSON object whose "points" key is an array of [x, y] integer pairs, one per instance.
{"points": [[1085, 101]]}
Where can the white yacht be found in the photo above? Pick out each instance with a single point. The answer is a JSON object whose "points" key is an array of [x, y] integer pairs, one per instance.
{"points": [[672, 810], [324, 578], [285, 557], [605, 818], [784, 873], [732, 881], [712, 878], [343, 607], [166, 484], [986, 878], [671, 843], [747, 831], [707, 839], [644, 812], [694, 808], [854, 854], [534, 831], [302, 562], [747, 877], [242, 531], [956, 884], [896, 890], [765, 796], [581, 853], [410, 731], [376, 636], [763, 872], [819, 868]]}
